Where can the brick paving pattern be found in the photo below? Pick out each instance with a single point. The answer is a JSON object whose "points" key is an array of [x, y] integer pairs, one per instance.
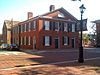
{"points": [[10, 61]]}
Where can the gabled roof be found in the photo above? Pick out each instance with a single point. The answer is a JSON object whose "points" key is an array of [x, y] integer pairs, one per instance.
{"points": [[9, 23], [68, 16], [62, 10], [96, 21]]}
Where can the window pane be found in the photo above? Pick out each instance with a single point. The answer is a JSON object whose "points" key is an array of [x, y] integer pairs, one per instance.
{"points": [[46, 23], [25, 28], [56, 26], [47, 41], [73, 27], [29, 40], [34, 27], [65, 27], [65, 40], [29, 26], [25, 40]]}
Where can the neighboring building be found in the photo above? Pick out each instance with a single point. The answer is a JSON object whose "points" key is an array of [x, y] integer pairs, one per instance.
{"points": [[6, 31], [97, 22], [55, 29], [1, 39]]}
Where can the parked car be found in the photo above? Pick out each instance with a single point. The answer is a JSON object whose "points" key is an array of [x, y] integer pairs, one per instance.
{"points": [[4, 46], [13, 47]]}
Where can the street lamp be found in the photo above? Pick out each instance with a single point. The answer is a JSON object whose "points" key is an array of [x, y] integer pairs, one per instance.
{"points": [[81, 58]]}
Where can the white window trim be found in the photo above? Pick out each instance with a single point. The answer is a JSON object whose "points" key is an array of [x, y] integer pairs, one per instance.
{"points": [[25, 40], [29, 26], [47, 25], [66, 27], [65, 38], [34, 25], [73, 27], [29, 40], [21, 28], [47, 41], [57, 26], [25, 28]]}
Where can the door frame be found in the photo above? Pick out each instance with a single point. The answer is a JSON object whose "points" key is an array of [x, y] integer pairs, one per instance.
{"points": [[57, 38], [73, 42]]}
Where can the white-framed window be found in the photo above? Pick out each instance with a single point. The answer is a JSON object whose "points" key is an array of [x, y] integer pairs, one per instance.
{"points": [[21, 28], [34, 26], [29, 40], [47, 41], [56, 26], [18, 29], [65, 40], [73, 27], [46, 24], [25, 28], [29, 28], [66, 27], [21, 40], [25, 40]]}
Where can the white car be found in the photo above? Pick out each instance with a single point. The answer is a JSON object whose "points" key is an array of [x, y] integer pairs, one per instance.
{"points": [[4, 46]]}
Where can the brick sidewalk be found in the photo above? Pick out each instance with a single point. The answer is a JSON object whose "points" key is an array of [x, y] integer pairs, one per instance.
{"points": [[73, 68], [22, 59]]}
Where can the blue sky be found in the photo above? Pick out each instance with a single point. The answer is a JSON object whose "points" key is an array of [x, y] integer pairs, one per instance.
{"points": [[17, 9]]}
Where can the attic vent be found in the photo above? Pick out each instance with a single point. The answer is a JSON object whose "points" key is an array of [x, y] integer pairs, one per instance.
{"points": [[52, 7], [61, 15]]}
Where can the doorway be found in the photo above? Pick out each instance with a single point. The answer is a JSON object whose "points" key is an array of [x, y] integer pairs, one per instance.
{"points": [[56, 42], [73, 42]]}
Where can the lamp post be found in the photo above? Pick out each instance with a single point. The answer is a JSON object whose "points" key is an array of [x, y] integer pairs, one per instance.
{"points": [[81, 58]]}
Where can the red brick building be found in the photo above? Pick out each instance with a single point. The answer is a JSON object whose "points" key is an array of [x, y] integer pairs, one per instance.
{"points": [[55, 29]]}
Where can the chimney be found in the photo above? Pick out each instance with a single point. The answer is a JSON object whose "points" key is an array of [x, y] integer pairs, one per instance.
{"points": [[52, 7], [30, 15]]}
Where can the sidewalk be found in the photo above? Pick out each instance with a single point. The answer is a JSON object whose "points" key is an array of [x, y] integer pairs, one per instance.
{"points": [[74, 68], [53, 50]]}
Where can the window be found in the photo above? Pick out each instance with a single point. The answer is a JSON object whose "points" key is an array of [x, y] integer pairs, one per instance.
{"points": [[56, 26], [65, 27], [47, 40], [29, 40], [46, 25], [34, 26], [21, 28], [62, 23], [25, 40], [73, 27], [18, 29], [29, 26], [25, 27], [65, 40]]}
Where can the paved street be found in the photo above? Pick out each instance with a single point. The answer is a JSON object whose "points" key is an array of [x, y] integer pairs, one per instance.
{"points": [[66, 55]]}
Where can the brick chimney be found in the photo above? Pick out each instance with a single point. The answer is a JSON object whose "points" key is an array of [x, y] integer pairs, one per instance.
{"points": [[52, 7], [30, 15]]}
